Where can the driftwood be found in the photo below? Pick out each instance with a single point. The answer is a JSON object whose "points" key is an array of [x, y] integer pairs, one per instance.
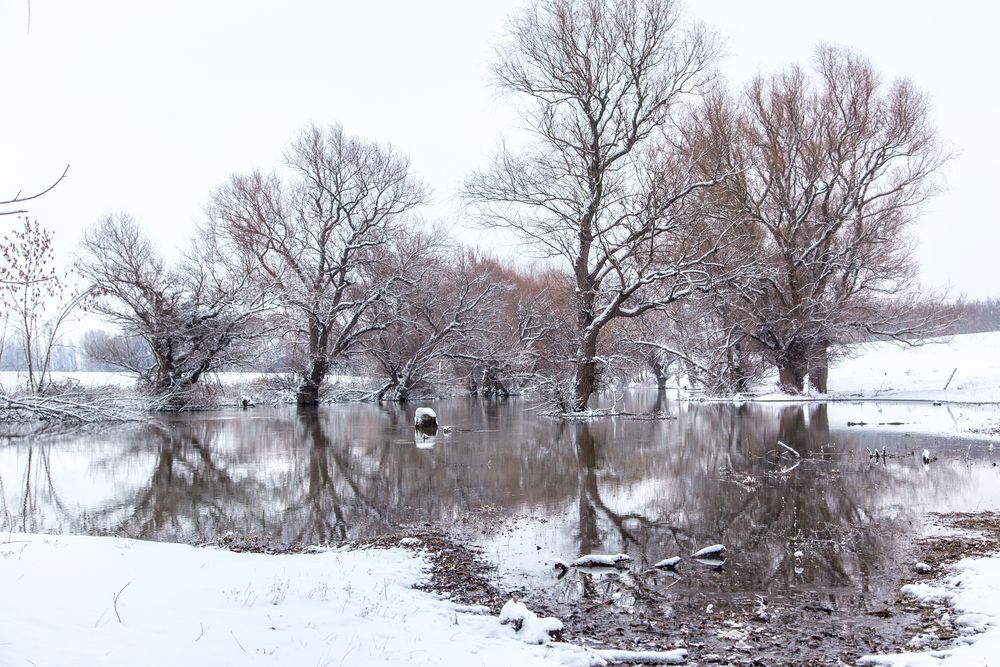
{"points": [[82, 407]]}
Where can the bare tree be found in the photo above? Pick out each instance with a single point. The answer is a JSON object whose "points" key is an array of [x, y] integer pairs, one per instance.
{"points": [[38, 300], [832, 170], [315, 236], [526, 327], [113, 351], [701, 340], [599, 187], [194, 317], [434, 313]]}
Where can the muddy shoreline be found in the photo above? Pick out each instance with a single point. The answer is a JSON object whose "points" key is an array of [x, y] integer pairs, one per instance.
{"points": [[616, 610]]}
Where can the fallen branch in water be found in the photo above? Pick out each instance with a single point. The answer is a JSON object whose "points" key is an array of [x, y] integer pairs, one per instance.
{"points": [[78, 407], [797, 455]]}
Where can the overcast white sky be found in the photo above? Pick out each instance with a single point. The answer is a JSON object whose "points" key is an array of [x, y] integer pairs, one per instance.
{"points": [[154, 104]]}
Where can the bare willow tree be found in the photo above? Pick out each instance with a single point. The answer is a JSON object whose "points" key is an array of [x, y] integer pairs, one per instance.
{"points": [[598, 187], [316, 235], [194, 317], [434, 313], [831, 170]]}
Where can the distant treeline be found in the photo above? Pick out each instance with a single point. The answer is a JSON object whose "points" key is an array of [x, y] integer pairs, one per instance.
{"points": [[974, 316]]}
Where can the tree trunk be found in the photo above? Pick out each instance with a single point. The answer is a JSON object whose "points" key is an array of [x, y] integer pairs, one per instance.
{"points": [[492, 385], [819, 369], [585, 377], [659, 372], [307, 393], [792, 367], [661, 400], [583, 385]]}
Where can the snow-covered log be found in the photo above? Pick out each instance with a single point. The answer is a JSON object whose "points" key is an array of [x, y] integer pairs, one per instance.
{"points": [[85, 407], [668, 563], [714, 551], [677, 656], [602, 560]]}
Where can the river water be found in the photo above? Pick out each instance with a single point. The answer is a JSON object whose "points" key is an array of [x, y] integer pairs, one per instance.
{"points": [[649, 487]]}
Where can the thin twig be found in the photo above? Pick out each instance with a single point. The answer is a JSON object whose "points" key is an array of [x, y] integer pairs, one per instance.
{"points": [[114, 599]]}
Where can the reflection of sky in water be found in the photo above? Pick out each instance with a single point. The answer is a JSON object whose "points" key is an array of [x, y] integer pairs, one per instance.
{"points": [[652, 489]]}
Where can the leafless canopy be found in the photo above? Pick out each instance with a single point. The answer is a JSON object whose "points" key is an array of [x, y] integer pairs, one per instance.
{"points": [[830, 171], [315, 235], [435, 311], [194, 317], [600, 184]]}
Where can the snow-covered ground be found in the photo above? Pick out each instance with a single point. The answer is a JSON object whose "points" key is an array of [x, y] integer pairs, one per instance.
{"points": [[968, 365], [108, 601], [971, 592]]}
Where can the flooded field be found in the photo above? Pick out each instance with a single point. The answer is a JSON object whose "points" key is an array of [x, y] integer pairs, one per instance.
{"points": [[819, 529]]}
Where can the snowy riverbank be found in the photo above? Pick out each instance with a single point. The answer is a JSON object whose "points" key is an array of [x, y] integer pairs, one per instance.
{"points": [[71, 600], [109, 601], [968, 599]]}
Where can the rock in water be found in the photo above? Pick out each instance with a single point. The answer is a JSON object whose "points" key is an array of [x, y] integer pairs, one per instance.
{"points": [[425, 417]]}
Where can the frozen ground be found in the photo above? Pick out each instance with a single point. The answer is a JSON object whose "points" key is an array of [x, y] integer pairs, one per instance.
{"points": [[972, 594], [891, 371], [108, 601]]}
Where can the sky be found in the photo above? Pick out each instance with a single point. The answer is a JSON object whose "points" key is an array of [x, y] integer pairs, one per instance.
{"points": [[153, 105]]}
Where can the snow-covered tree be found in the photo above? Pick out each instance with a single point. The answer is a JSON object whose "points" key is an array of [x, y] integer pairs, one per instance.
{"points": [[316, 234], [597, 186], [194, 317]]}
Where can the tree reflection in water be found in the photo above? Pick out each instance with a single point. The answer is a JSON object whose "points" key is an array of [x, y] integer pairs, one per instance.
{"points": [[717, 476], [651, 488]]}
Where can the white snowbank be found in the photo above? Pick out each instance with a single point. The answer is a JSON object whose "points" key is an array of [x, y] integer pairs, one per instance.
{"points": [[108, 601], [972, 592], [889, 370], [530, 627]]}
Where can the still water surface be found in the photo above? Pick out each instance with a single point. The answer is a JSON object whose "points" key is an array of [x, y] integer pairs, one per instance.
{"points": [[652, 488]]}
